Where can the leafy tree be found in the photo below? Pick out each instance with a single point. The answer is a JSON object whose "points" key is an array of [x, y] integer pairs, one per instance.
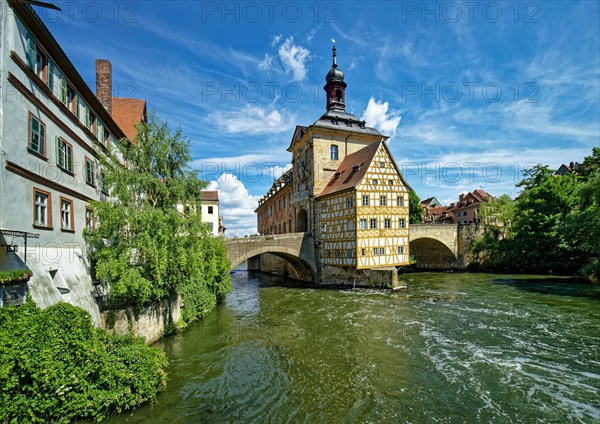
{"points": [[150, 241], [590, 164], [414, 208], [554, 224], [498, 213], [541, 212], [582, 226]]}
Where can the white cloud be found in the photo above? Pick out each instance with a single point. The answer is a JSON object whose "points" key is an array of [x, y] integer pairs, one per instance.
{"points": [[254, 120], [311, 34], [277, 171], [276, 39], [356, 61], [293, 58], [236, 205], [266, 63], [378, 115]]}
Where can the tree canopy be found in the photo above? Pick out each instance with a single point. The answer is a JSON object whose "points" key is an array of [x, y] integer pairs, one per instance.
{"points": [[150, 241], [414, 208], [552, 225]]}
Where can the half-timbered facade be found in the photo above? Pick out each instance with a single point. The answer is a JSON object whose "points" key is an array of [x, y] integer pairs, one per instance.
{"points": [[363, 212]]}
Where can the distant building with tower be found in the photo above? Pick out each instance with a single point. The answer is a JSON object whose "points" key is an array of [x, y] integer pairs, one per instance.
{"points": [[344, 188]]}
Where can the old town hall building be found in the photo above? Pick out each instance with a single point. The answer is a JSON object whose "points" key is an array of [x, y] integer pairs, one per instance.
{"points": [[345, 188]]}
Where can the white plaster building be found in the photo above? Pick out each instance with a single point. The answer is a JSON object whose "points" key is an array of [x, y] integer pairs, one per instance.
{"points": [[51, 129], [210, 211]]}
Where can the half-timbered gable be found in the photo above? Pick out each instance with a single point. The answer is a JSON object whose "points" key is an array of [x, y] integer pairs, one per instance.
{"points": [[382, 213], [368, 188]]}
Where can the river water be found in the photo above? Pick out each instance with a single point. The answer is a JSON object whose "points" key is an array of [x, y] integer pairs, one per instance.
{"points": [[456, 347]]}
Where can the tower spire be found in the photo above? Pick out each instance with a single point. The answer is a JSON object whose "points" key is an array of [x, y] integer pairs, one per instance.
{"points": [[335, 87], [334, 64]]}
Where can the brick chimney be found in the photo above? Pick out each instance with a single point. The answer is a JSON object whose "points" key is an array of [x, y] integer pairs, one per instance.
{"points": [[104, 83]]}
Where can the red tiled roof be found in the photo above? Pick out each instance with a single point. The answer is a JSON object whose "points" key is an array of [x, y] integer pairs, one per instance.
{"points": [[481, 194], [352, 170], [209, 196], [127, 113]]}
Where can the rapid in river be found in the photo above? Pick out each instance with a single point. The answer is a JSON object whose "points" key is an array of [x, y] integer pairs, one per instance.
{"points": [[454, 347]]}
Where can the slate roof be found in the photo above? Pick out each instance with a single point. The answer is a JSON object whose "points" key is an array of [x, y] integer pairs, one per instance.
{"points": [[127, 113], [209, 196], [352, 170], [341, 120]]}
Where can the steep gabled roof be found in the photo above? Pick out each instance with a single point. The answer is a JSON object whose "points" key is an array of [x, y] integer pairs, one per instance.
{"points": [[480, 195], [354, 167], [352, 170], [127, 113]]}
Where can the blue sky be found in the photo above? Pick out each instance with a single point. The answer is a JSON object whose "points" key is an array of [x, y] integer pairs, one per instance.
{"points": [[470, 92]]}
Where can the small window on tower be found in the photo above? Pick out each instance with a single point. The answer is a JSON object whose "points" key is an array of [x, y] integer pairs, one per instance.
{"points": [[338, 95], [333, 152]]}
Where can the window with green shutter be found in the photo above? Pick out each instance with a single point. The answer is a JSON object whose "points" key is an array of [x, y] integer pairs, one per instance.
{"points": [[31, 52], [89, 171], [62, 89], [78, 107], [104, 185], [37, 141], [51, 76], [100, 132], [64, 155]]}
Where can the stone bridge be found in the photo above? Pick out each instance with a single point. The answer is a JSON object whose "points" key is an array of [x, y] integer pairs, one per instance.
{"points": [[434, 246], [442, 246], [296, 249]]}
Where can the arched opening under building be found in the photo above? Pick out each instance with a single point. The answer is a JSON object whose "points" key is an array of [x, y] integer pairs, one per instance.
{"points": [[283, 265], [432, 254], [301, 221]]}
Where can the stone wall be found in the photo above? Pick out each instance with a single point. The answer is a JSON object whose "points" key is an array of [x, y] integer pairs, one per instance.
{"points": [[383, 277], [151, 323]]}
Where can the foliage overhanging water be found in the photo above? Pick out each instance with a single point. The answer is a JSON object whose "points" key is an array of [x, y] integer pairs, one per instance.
{"points": [[456, 347]]}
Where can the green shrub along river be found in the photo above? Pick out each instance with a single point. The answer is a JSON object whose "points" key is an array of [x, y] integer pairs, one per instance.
{"points": [[457, 347]]}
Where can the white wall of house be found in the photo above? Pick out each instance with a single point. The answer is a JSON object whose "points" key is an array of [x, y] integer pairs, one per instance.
{"points": [[58, 257], [210, 215]]}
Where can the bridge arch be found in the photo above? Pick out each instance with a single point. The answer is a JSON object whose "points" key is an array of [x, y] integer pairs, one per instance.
{"points": [[296, 249], [431, 253]]}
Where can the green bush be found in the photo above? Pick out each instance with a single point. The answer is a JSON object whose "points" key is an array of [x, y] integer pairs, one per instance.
{"points": [[56, 366]]}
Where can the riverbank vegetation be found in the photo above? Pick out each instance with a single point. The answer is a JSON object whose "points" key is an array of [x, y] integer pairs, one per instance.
{"points": [[56, 366], [552, 226], [150, 242]]}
